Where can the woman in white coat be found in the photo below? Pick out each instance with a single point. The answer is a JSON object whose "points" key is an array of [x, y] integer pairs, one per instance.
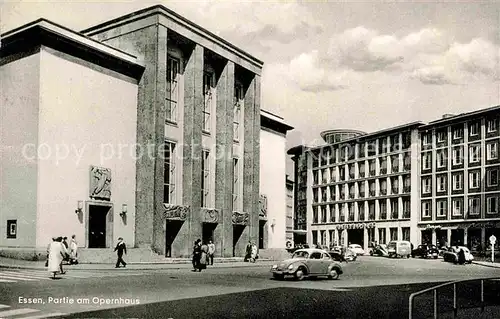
{"points": [[73, 246], [56, 256]]}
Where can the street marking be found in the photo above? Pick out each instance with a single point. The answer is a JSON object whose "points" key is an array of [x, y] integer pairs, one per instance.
{"points": [[17, 278], [16, 312], [49, 315], [4, 306], [5, 280], [24, 275]]}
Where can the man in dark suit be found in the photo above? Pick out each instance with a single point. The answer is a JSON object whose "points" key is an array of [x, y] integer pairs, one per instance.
{"points": [[120, 249]]}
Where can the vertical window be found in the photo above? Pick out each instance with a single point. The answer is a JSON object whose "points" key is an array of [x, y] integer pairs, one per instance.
{"points": [[426, 185], [441, 158], [208, 91], [427, 160], [457, 181], [172, 92], [491, 125], [441, 136], [441, 183], [236, 174], [492, 177], [12, 228], [474, 129], [427, 138], [169, 173], [474, 206], [205, 178], [458, 154], [393, 231], [458, 132], [238, 103], [457, 207], [492, 205], [426, 209], [474, 153], [492, 151], [474, 179], [441, 207]]}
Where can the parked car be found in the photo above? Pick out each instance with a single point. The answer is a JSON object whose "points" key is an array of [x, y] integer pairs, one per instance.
{"points": [[348, 255], [399, 248], [425, 251], [357, 249], [307, 263], [379, 250], [452, 254]]}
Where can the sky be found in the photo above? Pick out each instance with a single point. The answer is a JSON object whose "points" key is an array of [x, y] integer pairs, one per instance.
{"points": [[365, 65]]}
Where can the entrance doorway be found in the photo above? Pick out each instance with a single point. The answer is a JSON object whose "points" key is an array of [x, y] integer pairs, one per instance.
{"points": [[97, 226], [208, 232], [457, 237], [172, 228], [237, 232], [262, 230], [355, 236]]}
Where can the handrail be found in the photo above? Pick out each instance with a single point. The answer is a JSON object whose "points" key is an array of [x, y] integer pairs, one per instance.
{"points": [[435, 288]]}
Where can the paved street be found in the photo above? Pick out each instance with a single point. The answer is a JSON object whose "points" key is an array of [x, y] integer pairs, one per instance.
{"points": [[371, 288]]}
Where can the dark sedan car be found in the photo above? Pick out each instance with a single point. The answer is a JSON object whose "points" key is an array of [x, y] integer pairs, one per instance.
{"points": [[425, 251]]}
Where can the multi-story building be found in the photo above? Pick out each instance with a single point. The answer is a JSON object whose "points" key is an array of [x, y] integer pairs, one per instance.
{"points": [[435, 182], [289, 210], [460, 178], [358, 187], [178, 104]]}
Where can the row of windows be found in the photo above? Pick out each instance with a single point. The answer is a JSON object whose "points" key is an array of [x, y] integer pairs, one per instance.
{"points": [[334, 154], [170, 177], [474, 130], [457, 207], [384, 186], [359, 170], [209, 90], [457, 156], [387, 208], [382, 236], [491, 179]]}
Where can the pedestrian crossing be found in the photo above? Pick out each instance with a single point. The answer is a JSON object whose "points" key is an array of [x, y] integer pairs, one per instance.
{"points": [[28, 275], [26, 313]]}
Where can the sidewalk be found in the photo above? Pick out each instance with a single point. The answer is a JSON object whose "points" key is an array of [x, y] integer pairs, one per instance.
{"points": [[171, 263], [487, 263]]}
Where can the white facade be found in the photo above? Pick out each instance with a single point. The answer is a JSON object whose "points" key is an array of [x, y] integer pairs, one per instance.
{"points": [[60, 115], [273, 179]]}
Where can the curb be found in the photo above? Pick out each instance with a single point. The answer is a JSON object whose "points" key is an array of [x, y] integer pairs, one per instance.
{"points": [[486, 265]]}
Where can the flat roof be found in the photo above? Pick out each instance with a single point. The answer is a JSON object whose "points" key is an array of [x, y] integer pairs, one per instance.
{"points": [[274, 122], [50, 34], [460, 117], [162, 10]]}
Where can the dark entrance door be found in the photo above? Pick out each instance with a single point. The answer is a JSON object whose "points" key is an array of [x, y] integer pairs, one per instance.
{"points": [[355, 236], [208, 232], [261, 234], [171, 230], [457, 237], [237, 231], [97, 226]]}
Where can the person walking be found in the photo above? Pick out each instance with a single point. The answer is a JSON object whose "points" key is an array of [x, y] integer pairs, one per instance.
{"points": [[196, 254], [120, 249], [48, 251], [211, 252], [202, 263], [253, 253], [461, 257], [73, 246], [56, 256], [248, 251], [66, 249]]}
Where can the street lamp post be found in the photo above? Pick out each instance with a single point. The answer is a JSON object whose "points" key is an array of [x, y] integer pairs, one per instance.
{"points": [[493, 240]]}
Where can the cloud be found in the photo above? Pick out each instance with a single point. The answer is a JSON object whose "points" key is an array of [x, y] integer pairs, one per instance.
{"points": [[308, 74], [432, 75], [477, 57]]}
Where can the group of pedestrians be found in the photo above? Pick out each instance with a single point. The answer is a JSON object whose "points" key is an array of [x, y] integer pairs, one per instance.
{"points": [[203, 255], [251, 252], [59, 251]]}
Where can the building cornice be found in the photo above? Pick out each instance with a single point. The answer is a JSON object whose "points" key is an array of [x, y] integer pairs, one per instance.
{"points": [[46, 33], [175, 17], [460, 117], [273, 123]]}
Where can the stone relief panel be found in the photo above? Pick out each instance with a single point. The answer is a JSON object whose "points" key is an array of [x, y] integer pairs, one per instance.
{"points": [[263, 206], [240, 218], [210, 215], [100, 183], [175, 212]]}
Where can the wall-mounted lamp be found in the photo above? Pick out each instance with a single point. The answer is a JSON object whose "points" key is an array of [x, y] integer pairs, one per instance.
{"points": [[124, 210], [79, 207], [273, 223]]}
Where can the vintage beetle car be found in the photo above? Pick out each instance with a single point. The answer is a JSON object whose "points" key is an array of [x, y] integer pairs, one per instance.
{"points": [[452, 254], [310, 262], [425, 251]]}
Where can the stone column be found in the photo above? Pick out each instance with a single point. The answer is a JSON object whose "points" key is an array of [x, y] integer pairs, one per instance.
{"points": [[365, 239], [193, 119], [448, 237], [484, 244], [224, 161], [465, 237], [161, 88], [433, 237]]}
